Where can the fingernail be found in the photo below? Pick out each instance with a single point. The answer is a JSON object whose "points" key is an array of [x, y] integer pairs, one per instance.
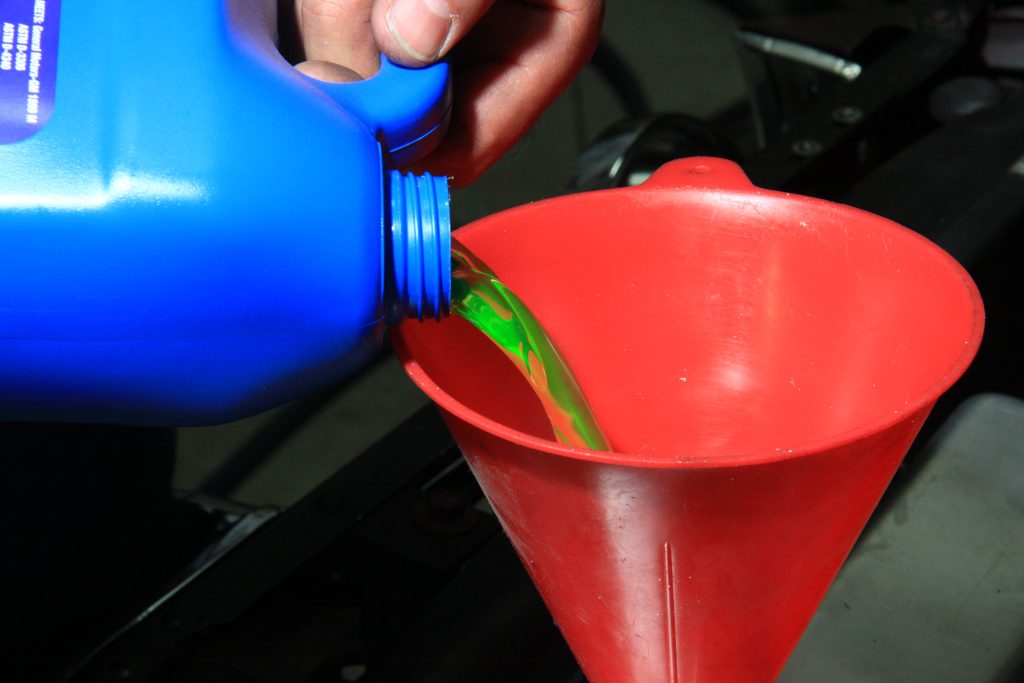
{"points": [[420, 27]]}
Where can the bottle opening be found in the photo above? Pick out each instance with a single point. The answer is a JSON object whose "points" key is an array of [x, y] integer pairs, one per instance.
{"points": [[418, 271]]}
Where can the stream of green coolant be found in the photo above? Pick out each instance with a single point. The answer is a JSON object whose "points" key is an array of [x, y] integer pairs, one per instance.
{"points": [[491, 307]]}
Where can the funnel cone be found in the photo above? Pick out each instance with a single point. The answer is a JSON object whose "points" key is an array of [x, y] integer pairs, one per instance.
{"points": [[760, 362]]}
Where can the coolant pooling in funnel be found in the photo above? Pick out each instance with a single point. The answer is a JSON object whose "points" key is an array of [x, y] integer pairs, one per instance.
{"points": [[491, 307]]}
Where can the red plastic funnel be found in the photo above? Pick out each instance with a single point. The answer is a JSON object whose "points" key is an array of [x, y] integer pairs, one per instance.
{"points": [[760, 361]]}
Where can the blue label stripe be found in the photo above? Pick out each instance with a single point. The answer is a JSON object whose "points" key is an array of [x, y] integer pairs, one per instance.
{"points": [[28, 66]]}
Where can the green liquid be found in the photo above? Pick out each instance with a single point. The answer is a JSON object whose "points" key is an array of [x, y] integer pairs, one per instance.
{"points": [[480, 298]]}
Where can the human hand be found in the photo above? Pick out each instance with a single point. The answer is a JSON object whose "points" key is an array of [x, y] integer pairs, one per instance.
{"points": [[510, 59]]}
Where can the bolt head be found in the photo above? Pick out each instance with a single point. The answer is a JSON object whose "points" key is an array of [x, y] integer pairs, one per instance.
{"points": [[806, 148], [847, 115]]}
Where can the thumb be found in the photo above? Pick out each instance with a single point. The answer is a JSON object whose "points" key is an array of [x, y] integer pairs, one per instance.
{"points": [[419, 32]]}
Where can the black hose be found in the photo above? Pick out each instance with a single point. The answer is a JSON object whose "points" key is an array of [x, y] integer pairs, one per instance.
{"points": [[621, 78]]}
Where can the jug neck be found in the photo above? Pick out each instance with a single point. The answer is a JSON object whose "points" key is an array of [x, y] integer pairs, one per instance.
{"points": [[417, 246]]}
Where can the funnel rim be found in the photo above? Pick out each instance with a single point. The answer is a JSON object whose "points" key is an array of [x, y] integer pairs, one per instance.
{"points": [[924, 401]]}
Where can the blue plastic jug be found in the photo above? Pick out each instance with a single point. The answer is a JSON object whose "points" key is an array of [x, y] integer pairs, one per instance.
{"points": [[191, 231]]}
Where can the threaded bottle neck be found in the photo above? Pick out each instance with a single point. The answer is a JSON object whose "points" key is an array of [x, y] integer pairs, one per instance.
{"points": [[417, 246]]}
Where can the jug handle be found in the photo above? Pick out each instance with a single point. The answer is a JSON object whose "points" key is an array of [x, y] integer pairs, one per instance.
{"points": [[707, 173], [406, 109]]}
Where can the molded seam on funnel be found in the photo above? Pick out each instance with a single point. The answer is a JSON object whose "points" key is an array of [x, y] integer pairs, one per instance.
{"points": [[670, 615]]}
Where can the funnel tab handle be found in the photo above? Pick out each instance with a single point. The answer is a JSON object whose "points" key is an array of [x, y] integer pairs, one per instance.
{"points": [[709, 173]]}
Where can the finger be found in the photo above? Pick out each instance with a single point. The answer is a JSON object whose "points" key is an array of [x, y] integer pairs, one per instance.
{"points": [[506, 77], [328, 71], [338, 31], [419, 32]]}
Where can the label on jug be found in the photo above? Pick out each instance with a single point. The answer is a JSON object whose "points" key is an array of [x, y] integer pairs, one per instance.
{"points": [[28, 66]]}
